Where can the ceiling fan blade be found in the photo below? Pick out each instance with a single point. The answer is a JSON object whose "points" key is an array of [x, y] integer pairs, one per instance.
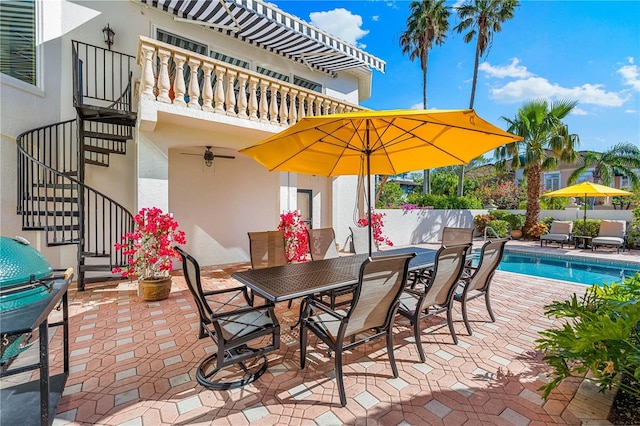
{"points": [[231, 157], [190, 153]]}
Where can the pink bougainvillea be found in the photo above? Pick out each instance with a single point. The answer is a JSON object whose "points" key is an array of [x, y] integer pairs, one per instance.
{"points": [[149, 248], [377, 225], [295, 235]]}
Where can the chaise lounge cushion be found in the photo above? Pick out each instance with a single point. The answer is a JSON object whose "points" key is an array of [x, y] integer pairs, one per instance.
{"points": [[560, 231], [611, 233]]}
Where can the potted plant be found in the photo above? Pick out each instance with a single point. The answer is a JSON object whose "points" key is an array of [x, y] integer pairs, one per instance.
{"points": [[150, 253], [295, 235], [516, 222]]}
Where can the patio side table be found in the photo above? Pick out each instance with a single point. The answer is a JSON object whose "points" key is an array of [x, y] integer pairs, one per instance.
{"points": [[586, 241]]}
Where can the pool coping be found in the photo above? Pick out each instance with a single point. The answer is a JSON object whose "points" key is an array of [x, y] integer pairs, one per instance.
{"points": [[575, 256]]}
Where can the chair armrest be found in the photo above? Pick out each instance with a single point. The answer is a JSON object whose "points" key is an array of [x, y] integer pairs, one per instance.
{"points": [[242, 289], [325, 309], [241, 311]]}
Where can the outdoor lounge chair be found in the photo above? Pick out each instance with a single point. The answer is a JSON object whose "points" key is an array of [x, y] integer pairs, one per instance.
{"points": [[370, 316], [229, 319], [475, 281], [436, 295], [560, 232], [612, 233]]}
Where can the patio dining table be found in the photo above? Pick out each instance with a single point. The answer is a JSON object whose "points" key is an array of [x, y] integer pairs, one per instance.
{"points": [[291, 281]]}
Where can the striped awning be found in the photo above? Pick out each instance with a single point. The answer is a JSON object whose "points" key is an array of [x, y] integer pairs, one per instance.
{"points": [[266, 26]]}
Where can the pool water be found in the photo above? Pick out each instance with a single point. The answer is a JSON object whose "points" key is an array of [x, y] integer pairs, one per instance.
{"points": [[573, 270]]}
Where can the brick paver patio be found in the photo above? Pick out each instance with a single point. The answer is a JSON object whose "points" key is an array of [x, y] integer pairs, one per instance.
{"points": [[134, 362]]}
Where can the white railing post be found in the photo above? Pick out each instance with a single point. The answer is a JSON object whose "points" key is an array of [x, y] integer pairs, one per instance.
{"points": [[148, 81], [242, 96], [207, 91], [253, 99], [194, 87], [219, 92], [163, 77], [230, 98], [178, 85], [273, 108], [264, 104], [301, 111], [284, 121], [293, 110]]}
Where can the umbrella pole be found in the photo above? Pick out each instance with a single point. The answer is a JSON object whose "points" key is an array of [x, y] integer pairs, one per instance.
{"points": [[584, 226], [369, 204]]}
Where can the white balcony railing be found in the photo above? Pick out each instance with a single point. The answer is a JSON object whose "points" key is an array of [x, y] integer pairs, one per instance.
{"points": [[219, 87]]}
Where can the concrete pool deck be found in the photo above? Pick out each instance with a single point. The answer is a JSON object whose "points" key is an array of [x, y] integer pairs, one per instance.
{"points": [[133, 363]]}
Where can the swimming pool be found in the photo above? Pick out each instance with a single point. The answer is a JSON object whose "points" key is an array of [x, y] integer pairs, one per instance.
{"points": [[572, 269]]}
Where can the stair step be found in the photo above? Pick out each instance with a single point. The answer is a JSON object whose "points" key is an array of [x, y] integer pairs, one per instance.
{"points": [[63, 243], [107, 136], [95, 268], [99, 149], [95, 255], [89, 280], [52, 199], [33, 228], [54, 228], [68, 186], [64, 213], [72, 173], [95, 163]]}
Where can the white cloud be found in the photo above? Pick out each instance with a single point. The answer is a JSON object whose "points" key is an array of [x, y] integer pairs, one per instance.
{"points": [[630, 59], [538, 87], [630, 75], [631, 111], [375, 18], [416, 106], [512, 70], [342, 24], [579, 111]]}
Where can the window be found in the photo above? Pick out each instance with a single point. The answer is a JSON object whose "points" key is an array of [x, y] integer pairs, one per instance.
{"points": [[625, 182], [229, 59], [551, 181], [18, 40], [274, 74], [307, 84], [181, 42]]}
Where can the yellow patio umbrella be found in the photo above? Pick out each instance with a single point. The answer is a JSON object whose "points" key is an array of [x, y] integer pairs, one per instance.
{"points": [[379, 142], [588, 189]]}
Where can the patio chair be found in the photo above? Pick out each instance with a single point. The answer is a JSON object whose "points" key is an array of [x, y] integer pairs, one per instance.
{"points": [[370, 316], [267, 248], [360, 240], [229, 319], [436, 295], [560, 232], [322, 245], [475, 281], [612, 233], [450, 236]]}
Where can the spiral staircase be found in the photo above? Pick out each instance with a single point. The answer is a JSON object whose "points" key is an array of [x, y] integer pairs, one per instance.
{"points": [[52, 194]]}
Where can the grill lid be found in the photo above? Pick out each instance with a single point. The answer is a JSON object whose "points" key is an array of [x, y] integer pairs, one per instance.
{"points": [[21, 263]]}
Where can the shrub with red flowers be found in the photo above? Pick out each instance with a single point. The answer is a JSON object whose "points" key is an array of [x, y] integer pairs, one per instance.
{"points": [[149, 248], [376, 225], [295, 235]]}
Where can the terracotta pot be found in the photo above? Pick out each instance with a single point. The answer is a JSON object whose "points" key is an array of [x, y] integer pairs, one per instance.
{"points": [[155, 289], [516, 234]]}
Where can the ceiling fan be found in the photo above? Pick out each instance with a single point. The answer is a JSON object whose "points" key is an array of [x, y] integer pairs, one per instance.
{"points": [[209, 156]]}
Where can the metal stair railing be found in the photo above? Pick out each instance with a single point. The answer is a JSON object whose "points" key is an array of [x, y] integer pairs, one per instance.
{"points": [[70, 212], [493, 231]]}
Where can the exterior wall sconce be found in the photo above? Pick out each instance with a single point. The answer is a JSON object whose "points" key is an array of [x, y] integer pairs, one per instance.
{"points": [[109, 34]]}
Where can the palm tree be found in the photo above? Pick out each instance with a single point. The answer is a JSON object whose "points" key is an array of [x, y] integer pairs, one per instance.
{"points": [[427, 24], [621, 158], [482, 18], [546, 139]]}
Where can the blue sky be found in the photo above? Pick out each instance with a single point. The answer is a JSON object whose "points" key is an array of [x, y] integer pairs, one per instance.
{"points": [[588, 51]]}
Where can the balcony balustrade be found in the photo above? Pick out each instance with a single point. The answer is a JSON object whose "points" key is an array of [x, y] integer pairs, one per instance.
{"points": [[180, 77]]}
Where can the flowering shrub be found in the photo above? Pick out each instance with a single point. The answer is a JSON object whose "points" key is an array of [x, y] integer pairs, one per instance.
{"points": [[376, 225], [295, 236], [482, 220], [537, 230], [149, 248]]}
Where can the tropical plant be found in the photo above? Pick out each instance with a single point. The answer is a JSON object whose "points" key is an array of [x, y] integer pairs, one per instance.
{"points": [[482, 19], [634, 229], [427, 25], [601, 335], [149, 248], [295, 235], [546, 139], [620, 159], [500, 227], [589, 229], [538, 229], [481, 221], [515, 220], [392, 196]]}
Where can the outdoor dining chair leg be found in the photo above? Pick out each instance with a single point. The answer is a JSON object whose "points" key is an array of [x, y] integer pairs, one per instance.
{"points": [[416, 334], [488, 303], [339, 379], [465, 316], [392, 358], [450, 323]]}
